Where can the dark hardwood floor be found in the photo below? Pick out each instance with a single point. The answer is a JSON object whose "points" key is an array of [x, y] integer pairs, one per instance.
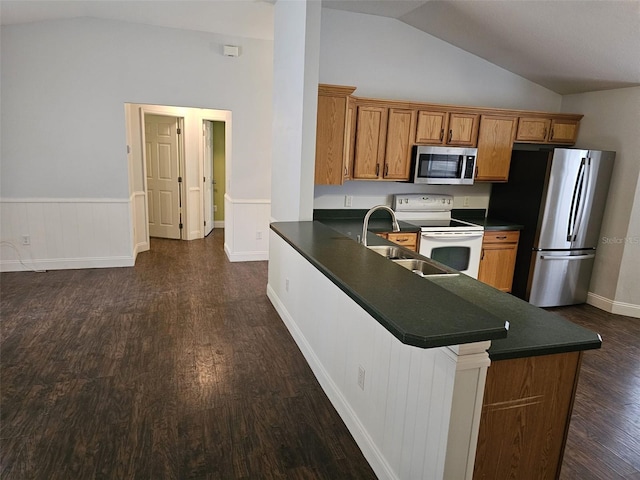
{"points": [[604, 435], [181, 368], [178, 368]]}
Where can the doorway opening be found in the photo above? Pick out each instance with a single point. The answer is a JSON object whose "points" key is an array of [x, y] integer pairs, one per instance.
{"points": [[192, 193]]}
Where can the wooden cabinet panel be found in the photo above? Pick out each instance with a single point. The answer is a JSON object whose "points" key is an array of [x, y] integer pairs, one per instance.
{"points": [[350, 137], [463, 129], [533, 129], [525, 417], [332, 134], [498, 259], [408, 240], [431, 127], [547, 130], [563, 131], [371, 126], [495, 143], [400, 127]]}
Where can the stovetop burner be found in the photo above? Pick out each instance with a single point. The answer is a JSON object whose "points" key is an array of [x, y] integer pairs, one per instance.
{"points": [[430, 212]]}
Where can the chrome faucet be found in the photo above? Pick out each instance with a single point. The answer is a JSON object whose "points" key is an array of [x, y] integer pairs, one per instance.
{"points": [[365, 224]]}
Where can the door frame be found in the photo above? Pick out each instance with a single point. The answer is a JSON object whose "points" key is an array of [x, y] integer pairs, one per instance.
{"points": [[193, 156]]}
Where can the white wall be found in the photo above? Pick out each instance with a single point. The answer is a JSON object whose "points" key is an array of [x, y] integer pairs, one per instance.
{"points": [[385, 58], [64, 84], [611, 120]]}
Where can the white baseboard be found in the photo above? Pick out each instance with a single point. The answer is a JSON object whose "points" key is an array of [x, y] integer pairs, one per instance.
{"points": [[218, 224], [612, 306], [245, 256], [369, 449], [65, 264]]}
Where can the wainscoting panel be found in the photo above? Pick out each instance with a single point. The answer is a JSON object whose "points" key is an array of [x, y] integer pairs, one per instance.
{"points": [[247, 229], [65, 233]]}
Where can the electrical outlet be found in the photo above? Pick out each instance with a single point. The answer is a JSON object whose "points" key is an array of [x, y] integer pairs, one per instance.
{"points": [[26, 239], [348, 200], [215, 208], [258, 235], [465, 203], [361, 373], [286, 284]]}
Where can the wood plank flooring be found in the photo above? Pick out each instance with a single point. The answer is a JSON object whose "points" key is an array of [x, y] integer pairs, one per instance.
{"points": [[604, 434], [181, 368], [178, 368]]}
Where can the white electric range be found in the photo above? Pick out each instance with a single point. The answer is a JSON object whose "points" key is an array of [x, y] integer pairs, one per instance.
{"points": [[455, 243]]}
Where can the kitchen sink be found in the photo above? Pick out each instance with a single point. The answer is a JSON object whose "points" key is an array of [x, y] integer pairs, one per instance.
{"points": [[423, 267], [410, 260], [391, 252]]}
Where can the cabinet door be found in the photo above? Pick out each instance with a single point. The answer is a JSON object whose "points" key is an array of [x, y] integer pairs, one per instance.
{"points": [[431, 127], [463, 129], [495, 143], [350, 136], [400, 127], [563, 131], [533, 129], [330, 140], [371, 126], [498, 258]]}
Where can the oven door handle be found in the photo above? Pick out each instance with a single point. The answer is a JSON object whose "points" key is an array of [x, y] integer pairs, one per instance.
{"points": [[453, 235]]}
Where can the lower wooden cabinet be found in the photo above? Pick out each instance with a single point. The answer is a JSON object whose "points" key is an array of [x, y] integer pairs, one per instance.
{"points": [[525, 417], [406, 239], [498, 258]]}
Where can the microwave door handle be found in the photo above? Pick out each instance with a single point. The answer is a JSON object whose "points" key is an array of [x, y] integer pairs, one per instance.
{"points": [[460, 166]]}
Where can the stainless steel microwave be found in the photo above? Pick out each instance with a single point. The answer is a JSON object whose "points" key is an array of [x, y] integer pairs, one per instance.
{"points": [[444, 165]]}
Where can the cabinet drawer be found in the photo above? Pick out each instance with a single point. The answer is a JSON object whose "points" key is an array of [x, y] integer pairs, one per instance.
{"points": [[408, 240], [510, 236]]}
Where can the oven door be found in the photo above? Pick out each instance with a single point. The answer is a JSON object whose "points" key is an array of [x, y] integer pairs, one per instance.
{"points": [[459, 250]]}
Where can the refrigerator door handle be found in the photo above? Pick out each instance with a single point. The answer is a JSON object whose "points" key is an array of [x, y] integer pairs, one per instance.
{"points": [[575, 202], [584, 198], [567, 257]]}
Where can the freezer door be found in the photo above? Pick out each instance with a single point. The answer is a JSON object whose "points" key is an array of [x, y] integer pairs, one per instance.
{"points": [[560, 278], [575, 199]]}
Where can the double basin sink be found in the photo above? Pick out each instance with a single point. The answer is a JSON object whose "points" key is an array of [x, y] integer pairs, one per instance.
{"points": [[411, 261]]}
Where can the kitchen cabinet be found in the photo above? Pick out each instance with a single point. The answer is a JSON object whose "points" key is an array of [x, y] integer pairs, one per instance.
{"points": [[547, 130], [498, 258], [447, 128], [525, 416], [495, 143], [371, 127], [383, 141], [333, 134], [406, 239]]}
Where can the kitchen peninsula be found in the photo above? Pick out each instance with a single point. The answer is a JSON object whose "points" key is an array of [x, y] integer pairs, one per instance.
{"points": [[404, 359]]}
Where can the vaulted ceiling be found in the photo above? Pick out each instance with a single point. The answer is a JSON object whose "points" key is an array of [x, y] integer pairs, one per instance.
{"points": [[568, 46]]}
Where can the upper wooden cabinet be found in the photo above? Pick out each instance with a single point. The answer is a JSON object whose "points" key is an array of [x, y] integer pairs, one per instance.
{"points": [[383, 141], [333, 135], [371, 128], [444, 128], [548, 130], [495, 143], [397, 159]]}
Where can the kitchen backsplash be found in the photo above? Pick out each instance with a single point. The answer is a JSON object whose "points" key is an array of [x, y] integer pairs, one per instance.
{"points": [[362, 194]]}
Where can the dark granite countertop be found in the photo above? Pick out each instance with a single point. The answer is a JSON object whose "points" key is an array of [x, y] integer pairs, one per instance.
{"points": [[435, 311], [478, 216]]}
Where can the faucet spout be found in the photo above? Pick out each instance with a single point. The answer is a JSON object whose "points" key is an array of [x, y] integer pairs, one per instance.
{"points": [[365, 223]]}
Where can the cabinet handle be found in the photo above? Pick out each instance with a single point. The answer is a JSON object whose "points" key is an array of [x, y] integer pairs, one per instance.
{"points": [[476, 172], [482, 255], [386, 169], [502, 237], [441, 134], [551, 134], [450, 136], [346, 171], [544, 135], [377, 169]]}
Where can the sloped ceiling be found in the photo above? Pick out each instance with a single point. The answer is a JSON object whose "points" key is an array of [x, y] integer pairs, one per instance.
{"points": [[568, 46]]}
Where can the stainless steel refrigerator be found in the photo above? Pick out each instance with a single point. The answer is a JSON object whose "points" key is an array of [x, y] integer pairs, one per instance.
{"points": [[559, 196]]}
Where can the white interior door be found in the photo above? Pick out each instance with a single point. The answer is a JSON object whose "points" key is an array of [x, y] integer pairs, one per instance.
{"points": [[207, 136], [163, 175]]}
